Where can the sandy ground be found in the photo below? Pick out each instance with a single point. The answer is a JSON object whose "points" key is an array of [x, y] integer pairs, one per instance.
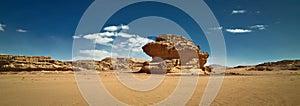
{"points": [[280, 88]]}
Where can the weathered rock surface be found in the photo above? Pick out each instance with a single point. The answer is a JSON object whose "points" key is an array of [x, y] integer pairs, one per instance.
{"points": [[173, 53], [32, 63], [160, 66], [119, 64], [43, 63], [170, 46]]}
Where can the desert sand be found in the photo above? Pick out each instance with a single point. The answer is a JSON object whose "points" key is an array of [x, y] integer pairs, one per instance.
{"points": [[280, 88]]}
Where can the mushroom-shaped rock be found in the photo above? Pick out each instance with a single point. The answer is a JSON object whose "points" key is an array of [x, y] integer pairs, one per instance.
{"points": [[170, 47]]}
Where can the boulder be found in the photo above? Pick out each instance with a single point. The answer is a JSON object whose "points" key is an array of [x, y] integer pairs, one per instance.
{"points": [[169, 46]]}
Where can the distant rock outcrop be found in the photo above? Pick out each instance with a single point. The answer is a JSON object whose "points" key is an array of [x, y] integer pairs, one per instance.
{"points": [[32, 63], [119, 64], [279, 65], [44, 63], [172, 53]]}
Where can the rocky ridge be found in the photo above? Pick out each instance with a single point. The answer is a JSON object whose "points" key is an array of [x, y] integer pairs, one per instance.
{"points": [[32, 63], [279, 65], [44, 63]]}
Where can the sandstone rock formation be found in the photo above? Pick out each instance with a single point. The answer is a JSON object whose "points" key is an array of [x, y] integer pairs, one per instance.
{"points": [[172, 53], [279, 65], [159, 66], [44, 63], [119, 64], [32, 63]]}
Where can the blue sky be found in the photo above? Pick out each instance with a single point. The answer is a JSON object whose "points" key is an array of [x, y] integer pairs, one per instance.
{"points": [[255, 31]]}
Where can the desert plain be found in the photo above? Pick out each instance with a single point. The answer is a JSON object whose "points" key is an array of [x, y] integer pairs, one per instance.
{"points": [[255, 88]]}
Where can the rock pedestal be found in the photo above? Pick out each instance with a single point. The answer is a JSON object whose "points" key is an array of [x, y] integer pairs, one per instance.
{"points": [[176, 52]]}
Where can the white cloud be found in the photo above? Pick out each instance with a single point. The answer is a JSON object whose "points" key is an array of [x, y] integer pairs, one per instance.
{"points": [[238, 30], [139, 40], [134, 43], [99, 35], [216, 28], [111, 28], [104, 41], [2, 27], [124, 27], [21, 30], [105, 37], [125, 35], [76, 36], [99, 38], [128, 43], [107, 34], [260, 27], [92, 36], [124, 46], [94, 54], [116, 28], [238, 11]]}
